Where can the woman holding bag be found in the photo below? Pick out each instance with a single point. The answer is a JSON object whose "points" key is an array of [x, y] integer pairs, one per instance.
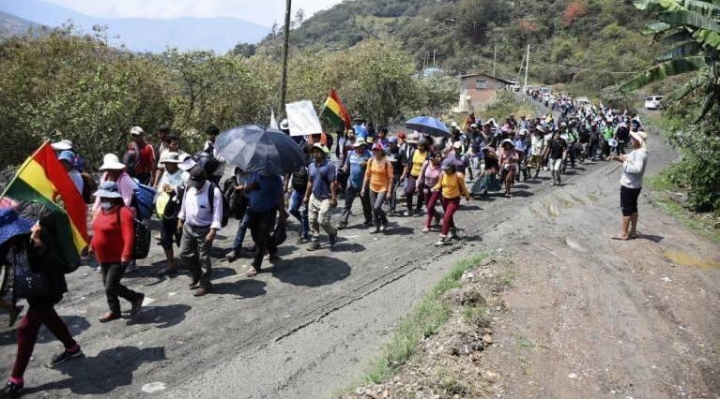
{"points": [[22, 247], [112, 242]]}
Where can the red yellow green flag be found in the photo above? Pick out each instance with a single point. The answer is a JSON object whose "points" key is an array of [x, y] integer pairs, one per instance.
{"points": [[43, 179], [335, 110]]}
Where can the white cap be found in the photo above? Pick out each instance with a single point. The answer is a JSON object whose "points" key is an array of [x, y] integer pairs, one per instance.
{"points": [[62, 145], [284, 124], [136, 131], [111, 162]]}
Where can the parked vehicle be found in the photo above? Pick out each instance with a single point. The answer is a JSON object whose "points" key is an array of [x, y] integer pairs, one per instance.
{"points": [[653, 102]]}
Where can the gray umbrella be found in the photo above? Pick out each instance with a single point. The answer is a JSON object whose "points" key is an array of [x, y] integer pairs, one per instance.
{"points": [[255, 149]]}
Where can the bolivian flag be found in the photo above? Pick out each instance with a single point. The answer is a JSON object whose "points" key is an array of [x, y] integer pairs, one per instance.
{"points": [[335, 110], [43, 179]]}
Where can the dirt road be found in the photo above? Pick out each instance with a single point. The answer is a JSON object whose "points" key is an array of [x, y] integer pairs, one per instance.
{"points": [[308, 326]]}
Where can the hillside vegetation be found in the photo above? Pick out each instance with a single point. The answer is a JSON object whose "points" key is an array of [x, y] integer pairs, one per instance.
{"points": [[577, 42]]}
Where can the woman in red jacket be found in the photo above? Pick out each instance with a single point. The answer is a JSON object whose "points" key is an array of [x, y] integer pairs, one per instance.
{"points": [[112, 242]]}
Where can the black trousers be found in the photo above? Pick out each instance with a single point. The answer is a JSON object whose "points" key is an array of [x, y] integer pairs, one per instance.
{"points": [[112, 274], [261, 227]]}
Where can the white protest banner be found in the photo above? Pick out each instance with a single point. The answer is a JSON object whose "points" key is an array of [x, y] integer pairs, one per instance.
{"points": [[302, 118]]}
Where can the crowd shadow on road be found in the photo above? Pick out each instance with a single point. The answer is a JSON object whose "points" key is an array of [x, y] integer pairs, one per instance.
{"points": [[102, 374], [312, 271], [397, 230], [76, 325], [242, 288], [522, 193], [161, 316]]}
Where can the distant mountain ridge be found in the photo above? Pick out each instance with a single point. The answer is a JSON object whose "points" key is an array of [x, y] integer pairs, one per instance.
{"points": [[143, 34], [11, 25]]}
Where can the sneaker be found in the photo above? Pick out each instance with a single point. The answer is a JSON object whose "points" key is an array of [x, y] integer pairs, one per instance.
{"points": [[136, 305], [443, 241], [368, 224], [333, 240], [314, 246], [426, 229], [383, 228], [11, 390], [64, 356], [407, 213], [303, 240]]}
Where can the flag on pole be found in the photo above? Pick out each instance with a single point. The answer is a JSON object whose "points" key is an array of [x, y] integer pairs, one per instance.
{"points": [[335, 110], [273, 121], [43, 179]]}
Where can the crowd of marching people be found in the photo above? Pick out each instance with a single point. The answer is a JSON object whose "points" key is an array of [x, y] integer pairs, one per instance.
{"points": [[191, 195]]}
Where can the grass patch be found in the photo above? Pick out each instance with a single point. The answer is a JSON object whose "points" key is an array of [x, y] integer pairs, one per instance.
{"points": [[477, 316], [662, 187], [423, 322]]}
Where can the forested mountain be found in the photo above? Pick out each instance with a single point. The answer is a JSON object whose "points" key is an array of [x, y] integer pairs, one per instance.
{"points": [[571, 40]]}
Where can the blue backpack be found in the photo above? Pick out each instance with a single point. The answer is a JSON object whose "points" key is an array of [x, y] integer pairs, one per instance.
{"points": [[143, 200]]}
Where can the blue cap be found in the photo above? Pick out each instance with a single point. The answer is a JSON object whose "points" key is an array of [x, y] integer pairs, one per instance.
{"points": [[67, 155], [393, 140]]}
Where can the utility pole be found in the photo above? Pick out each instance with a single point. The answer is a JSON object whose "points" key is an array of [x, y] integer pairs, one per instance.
{"points": [[434, 63], [517, 79], [527, 67], [286, 46], [494, 60]]}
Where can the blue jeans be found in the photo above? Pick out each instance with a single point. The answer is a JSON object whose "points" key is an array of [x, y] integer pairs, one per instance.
{"points": [[300, 211], [240, 235]]}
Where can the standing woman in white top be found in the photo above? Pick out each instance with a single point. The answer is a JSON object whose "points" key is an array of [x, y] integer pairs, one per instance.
{"points": [[634, 165]]}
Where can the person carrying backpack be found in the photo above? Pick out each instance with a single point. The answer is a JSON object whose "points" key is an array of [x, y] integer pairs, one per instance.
{"points": [[112, 243], [200, 218], [23, 246]]}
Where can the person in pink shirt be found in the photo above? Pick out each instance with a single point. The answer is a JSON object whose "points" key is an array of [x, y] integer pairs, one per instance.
{"points": [[429, 177]]}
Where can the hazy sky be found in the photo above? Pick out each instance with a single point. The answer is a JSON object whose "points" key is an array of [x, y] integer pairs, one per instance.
{"points": [[263, 12]]}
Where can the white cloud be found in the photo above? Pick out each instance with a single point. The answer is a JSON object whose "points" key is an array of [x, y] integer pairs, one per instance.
{"points": [[261, 12]]}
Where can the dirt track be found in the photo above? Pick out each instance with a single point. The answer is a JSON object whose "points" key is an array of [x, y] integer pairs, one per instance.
{"points": [[308, 326]]}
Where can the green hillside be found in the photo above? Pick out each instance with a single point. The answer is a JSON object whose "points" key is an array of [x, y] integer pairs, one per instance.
{"points": [[572, 42], [11, 25]]}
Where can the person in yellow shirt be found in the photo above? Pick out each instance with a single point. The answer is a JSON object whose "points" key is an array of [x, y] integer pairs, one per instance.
{"points": [[452, 186], [379, 177]]}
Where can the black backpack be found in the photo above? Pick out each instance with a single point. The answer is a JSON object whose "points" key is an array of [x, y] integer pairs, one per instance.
{"points": [[300, 179], [141, 249]]}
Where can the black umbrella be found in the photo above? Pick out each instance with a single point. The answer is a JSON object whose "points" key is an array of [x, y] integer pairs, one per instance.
{"points": [[255, 149]]}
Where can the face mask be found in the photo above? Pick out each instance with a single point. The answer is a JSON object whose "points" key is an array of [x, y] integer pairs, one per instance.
{"points": [[106, 205]]}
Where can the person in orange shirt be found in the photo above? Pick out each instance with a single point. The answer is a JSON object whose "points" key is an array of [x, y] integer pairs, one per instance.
{"points": [[379, 176], [451, 185]]}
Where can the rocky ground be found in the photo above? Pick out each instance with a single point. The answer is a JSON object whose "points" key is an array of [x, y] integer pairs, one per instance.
{"points": [[580, 316], [571, 313]]}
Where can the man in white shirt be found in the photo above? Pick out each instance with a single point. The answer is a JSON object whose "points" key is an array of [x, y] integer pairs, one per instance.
{"points": [[634, 165], [200, 218]]}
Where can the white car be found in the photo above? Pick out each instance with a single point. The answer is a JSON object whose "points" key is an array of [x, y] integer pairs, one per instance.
{"points": [[653, 102]]}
